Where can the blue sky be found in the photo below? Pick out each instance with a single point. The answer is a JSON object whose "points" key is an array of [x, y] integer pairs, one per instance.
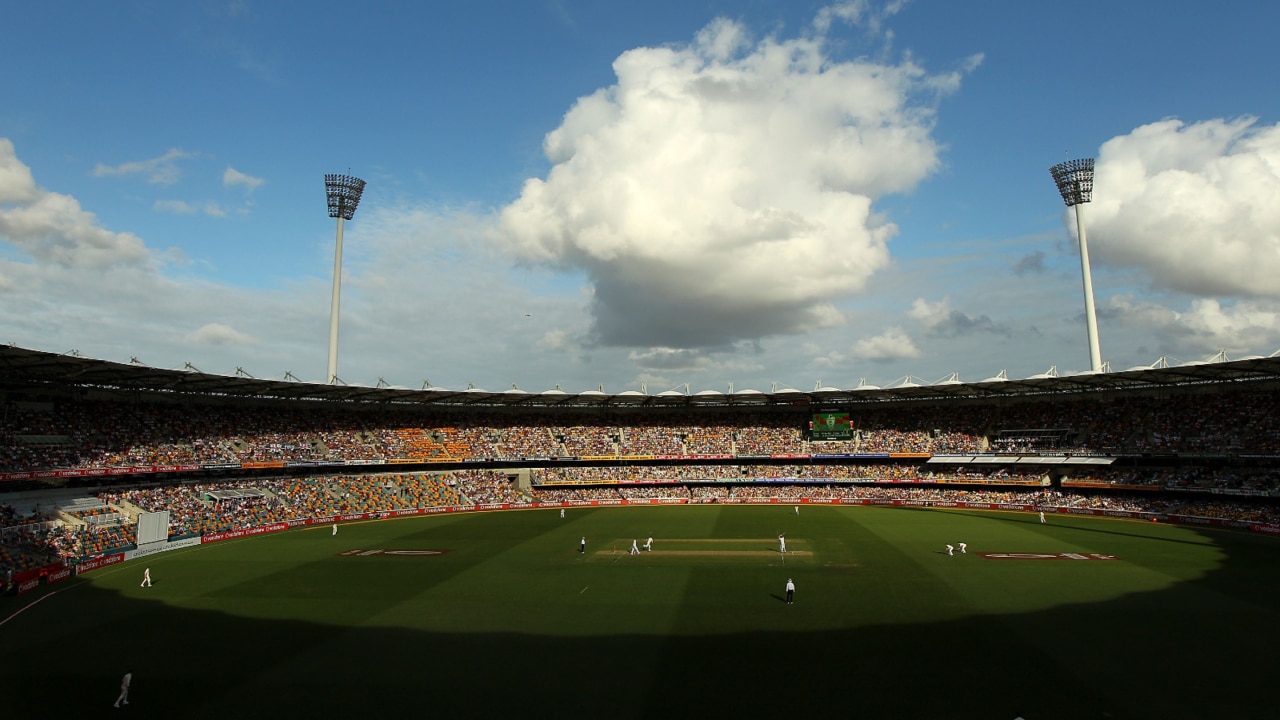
{"points": [[634, 195]]}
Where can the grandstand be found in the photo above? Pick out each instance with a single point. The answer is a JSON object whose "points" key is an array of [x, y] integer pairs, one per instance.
{"points": [[227, 454]]}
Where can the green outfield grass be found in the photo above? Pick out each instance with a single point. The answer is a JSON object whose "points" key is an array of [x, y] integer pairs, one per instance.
{"points": [[509, 619]]}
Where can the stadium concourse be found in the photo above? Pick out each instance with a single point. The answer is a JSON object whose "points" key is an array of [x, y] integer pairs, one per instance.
{"points": [[88, 447]]}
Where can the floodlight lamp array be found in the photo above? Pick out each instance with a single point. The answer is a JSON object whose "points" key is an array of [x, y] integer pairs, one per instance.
{"points": [[344, 193], [1074, 179]]}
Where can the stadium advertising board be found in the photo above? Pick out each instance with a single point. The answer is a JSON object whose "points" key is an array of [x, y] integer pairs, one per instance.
{"points": [[97, 472], [99, 562], [243, 532], [830, 426]]}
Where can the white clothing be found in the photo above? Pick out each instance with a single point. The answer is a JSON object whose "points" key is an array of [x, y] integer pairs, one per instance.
{"points": [[797, 509], [782, 544], [964, 548], [335, 528], [146, 578], [124, 690], [1041, 517], [634, 550], [951, 550], [648, 544], [561, 512]]}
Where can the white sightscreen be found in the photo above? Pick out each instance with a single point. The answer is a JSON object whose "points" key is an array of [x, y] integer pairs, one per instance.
{"points": [[153, 527]]}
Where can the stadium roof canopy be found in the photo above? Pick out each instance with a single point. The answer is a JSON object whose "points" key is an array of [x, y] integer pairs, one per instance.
{"points": [[34, 369]]}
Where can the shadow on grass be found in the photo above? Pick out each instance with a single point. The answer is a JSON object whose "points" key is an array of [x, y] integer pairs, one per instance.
{"points": [[1198, 649]]}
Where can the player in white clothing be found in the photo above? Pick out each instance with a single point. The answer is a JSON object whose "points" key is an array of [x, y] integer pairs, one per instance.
{"points": [[782, 544], [124, 689], [634, 549], [950, 550], [648, 545], [335, 528], [964, 548], [146, 578], [1041, 517], [561, 512]]}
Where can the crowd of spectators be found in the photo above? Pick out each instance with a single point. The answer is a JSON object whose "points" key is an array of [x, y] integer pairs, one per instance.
{"points": [[1183, 426], [81, 434]]}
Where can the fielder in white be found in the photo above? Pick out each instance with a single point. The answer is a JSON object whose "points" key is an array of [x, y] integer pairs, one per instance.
{"points": [[634, 549], [782, 544], [648, 545], [1041, 517], [561, 512], [950, 550], [124, 689], [964, 548], [335, 528], [146, 578]]}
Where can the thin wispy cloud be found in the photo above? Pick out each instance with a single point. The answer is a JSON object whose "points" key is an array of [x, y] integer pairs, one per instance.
{"points": [[162, 170], [234, 178], [181, 207]]}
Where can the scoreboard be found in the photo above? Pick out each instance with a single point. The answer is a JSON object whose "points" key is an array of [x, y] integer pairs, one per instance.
{"points": [[830, 426]]}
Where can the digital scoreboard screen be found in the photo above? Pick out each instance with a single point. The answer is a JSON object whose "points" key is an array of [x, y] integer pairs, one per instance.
{"points": [[830, 426]]}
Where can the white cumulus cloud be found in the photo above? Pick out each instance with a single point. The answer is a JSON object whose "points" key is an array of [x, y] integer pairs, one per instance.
{"points": [[892, 344], [220, 334], [1196, 206], [52, 227], [942, 320], [1206, 326], [723, 190]]}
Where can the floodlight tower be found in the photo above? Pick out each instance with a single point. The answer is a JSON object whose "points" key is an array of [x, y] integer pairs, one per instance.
{"points": [[1074, 179], [344, 193]]}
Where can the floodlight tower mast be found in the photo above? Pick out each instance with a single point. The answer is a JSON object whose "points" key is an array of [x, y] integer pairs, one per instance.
{"points": [[1074, 179], [343, 192]]}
